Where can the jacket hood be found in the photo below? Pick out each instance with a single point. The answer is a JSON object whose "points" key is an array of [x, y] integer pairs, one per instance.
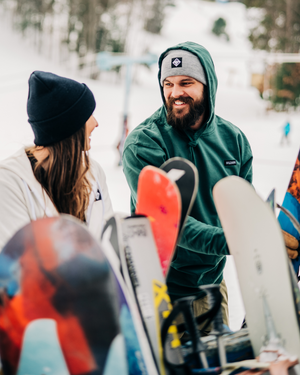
{"points": [[209, 69]]}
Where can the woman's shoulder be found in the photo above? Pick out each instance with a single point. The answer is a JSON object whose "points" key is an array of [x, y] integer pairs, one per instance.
{"points": [[12, 172], [96, 169], [16, 168], [15, 163]]}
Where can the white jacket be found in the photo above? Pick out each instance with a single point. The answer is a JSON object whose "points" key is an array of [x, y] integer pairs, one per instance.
{"points": [[22, 198]]}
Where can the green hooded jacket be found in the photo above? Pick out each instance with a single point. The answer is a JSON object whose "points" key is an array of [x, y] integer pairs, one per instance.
{"points": [[201, 254]]}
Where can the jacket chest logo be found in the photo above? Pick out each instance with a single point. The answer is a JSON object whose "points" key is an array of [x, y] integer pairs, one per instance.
{"points": [[98, 196], [229, 163], [176, 62]]}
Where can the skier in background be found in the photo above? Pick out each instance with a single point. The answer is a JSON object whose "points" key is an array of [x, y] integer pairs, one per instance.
{"points": [[56, 174], [186, 125], [286, 129]]}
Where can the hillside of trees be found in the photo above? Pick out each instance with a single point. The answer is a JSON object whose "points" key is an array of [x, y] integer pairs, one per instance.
{"points": [[83, 27], [66, 30], [277, 29]]}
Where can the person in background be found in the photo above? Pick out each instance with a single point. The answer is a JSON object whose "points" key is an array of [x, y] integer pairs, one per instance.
{"points": [[286, 129], [55, 175]]}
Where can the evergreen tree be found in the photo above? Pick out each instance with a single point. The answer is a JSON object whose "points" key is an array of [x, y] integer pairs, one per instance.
{"points": [[278, 30], [219, 28], [30, 14], [279, 26], [155, 15], [286, 86]]}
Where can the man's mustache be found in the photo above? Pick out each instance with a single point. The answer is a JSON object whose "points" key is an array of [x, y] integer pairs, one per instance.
{"points": [[184, 99]]}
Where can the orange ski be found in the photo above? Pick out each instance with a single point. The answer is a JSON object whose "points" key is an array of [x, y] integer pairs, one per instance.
{"points": [[159, 199]]}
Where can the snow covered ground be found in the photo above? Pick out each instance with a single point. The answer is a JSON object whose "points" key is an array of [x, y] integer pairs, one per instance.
{"points": [[236, 101]]}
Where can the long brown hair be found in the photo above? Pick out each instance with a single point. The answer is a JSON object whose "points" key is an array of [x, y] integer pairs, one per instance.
{"points": [[63, 173]]}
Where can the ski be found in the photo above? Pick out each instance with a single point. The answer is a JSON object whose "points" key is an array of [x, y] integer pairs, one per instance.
{"points": [[113, 234], [159, 199], [150, 288]]}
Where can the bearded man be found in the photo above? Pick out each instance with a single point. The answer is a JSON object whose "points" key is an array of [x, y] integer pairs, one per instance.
{"points": [[187, 126]]}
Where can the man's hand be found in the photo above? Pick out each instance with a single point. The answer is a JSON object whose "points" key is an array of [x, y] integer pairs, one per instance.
{"points": [[292, 245]]}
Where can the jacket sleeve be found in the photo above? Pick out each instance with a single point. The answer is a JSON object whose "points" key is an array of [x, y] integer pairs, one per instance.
{"points": [[13, 208], [203, 238], [207, 239]]}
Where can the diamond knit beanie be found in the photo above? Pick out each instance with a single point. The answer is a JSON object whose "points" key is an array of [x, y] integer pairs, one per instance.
{"points": [[57, 107], [179, 62]]}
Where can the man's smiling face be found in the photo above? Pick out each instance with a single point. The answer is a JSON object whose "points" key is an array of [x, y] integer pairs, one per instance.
{"points": [[184, 101]]}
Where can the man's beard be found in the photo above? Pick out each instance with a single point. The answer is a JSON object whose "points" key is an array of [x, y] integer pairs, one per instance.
{"points": [[196, 109]]}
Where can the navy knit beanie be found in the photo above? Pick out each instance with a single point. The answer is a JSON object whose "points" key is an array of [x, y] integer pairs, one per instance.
{"points": [[57, 107]]}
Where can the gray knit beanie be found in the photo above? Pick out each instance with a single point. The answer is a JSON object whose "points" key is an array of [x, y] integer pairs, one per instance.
{"points": [[179, 62]]}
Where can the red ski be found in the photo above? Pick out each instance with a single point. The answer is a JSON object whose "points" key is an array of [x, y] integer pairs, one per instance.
{"points": [[159, 199]]}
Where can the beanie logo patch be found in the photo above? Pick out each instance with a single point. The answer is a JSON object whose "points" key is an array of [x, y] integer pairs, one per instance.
{"points": [[176, 62]]}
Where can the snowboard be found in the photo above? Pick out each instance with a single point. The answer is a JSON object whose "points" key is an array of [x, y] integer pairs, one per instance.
{"points": [[185, 175], [291, 202], [159, 199], [255, 240], [271, 201], [64, 309], [149, 287]]}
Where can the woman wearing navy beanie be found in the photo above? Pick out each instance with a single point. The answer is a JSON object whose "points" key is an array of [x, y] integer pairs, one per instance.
{"points": [[55, 175]]}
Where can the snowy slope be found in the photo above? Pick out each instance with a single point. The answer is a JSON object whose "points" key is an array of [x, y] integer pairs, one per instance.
{"points": [[236, 101]]}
